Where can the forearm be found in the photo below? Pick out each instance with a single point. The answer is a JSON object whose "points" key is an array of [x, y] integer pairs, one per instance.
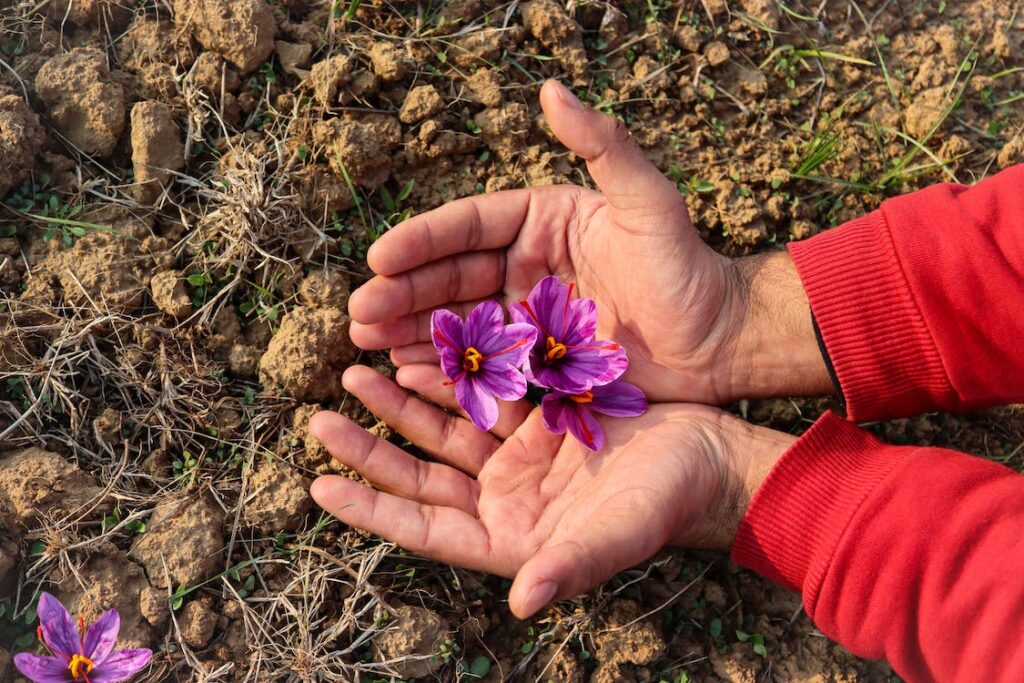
{"points": [[890, 545]]}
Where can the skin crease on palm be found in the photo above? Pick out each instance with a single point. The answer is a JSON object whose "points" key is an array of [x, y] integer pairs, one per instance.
{"points": [[522, 502]]}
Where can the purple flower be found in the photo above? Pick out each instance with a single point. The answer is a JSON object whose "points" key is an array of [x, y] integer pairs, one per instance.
{"points": [[482, 358], [575, 412], [79, 654], [565, 356]]}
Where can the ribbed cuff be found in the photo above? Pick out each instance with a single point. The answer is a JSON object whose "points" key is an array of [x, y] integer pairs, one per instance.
{"points": [[797, 517], [884, 357]]}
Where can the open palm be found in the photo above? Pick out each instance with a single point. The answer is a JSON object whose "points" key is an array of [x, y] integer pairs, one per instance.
{"points": [[535, 505], [660, 291]]}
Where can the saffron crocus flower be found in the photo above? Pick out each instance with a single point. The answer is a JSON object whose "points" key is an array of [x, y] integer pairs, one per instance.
{"points": [[575, 412], [482, 357], [565, 356], [79, 654]]}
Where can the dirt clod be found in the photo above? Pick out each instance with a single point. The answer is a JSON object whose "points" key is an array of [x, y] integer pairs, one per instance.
{"points": [[421, 102], [485, 87], [184, 537], [279, 500], [357, 149], [329, 78], [308, 354], [197, 623], [84, 102], [325, 288], [21, 137], [156, 149], [241, 31], [549, 23], [413, 637], [169, 293], [625, 642], [37, 483], [389, 62]]}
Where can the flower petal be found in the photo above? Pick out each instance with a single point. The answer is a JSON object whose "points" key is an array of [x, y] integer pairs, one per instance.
{"points": [[483, 324], [511, 345], [504, 382], [583, 425], [59, 631], [581, 325], [546, 305], [42, 669], [120, 665], [477, 402], [446, 331], [101, 636], [619, 399], [597, 363], [452, 363], [553, 408]]}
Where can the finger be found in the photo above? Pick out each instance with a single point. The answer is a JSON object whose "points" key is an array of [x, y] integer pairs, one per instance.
{"points": [[464, 278], [413, 353], [440, 533], [391, 468], [402, 331], [427, 379], [489, 221], [568, 568], [619, 167], [446, 436]]}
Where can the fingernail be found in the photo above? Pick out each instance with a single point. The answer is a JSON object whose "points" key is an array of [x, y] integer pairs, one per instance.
{"points": [[569, 98], [541, 595]]}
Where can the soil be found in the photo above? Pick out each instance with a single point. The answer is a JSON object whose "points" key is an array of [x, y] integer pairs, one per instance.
{"points": [[189, 189]]}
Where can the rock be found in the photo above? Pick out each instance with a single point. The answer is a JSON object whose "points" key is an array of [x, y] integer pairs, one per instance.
{"points": [[36, 483], [639, 643], [925, 112], [241, 31], [154, 41], [110, 580], [389, 63], [548, 22], [356, 149], [279, 499], [84, 102], [1012, 152], [687, 38], [421, 102], [484, 87], [197, 623], [413, 632], [211, 73], [169, 294], [764, 11], [325, 288], [156, 149], [22, 136], [154, 607], [308, 354], [185, 536], [314, 455], [244, 360], [329, 77], [294, 57], [11, 534], [716, 52], [107, 427], [504, 127]]}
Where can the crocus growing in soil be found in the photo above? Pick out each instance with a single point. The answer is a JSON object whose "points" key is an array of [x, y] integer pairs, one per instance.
{"points": [[575, 412], [79, 654], [482, 357], [566, 356]]}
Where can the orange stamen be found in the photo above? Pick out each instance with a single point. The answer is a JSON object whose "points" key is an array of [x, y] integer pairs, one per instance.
{"points": [[585, 397], [555, 349], [79, 667], [472, 359]]}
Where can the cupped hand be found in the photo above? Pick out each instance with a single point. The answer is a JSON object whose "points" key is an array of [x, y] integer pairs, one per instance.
{"points": [[675, 304], [523, 502]]}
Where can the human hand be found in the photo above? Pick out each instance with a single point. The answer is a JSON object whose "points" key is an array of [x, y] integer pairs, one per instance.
{"points": [[698, 326], [523, 502]]}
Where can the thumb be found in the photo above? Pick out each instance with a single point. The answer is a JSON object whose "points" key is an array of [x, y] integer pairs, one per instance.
{"points": [[619, 167], [569, 568]]}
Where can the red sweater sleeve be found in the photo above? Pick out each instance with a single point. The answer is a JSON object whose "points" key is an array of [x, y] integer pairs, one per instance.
{"points": [[911, 554], [919, 303]]}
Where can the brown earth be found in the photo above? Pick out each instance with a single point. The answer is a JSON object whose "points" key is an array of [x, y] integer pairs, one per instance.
{"points": [[165, 338]]}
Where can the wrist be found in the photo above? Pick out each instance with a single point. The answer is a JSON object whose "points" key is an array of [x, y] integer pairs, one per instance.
{"points": [[745, 454], [775, 350]]}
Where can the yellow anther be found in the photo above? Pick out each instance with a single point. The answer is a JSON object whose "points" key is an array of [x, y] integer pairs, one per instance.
{"points": [[555, 349], [472, 359], [79, 667]]}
